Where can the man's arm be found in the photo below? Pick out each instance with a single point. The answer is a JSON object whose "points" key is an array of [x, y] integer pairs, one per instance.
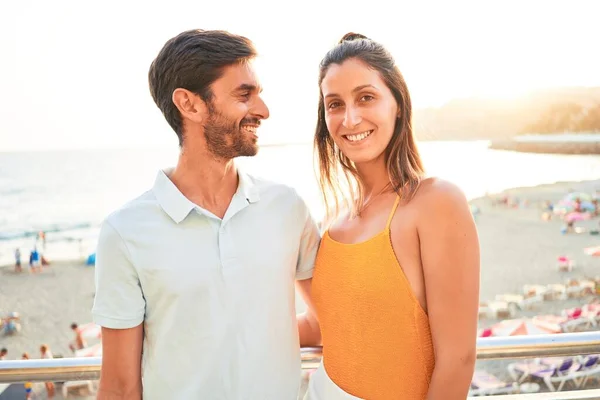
{"points": [[308, 324], [450, 257], [121, 376], [119, 307]]}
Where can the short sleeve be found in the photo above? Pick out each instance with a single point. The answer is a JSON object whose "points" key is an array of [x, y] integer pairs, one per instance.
{"points": [[119, 302], [309, 244]]}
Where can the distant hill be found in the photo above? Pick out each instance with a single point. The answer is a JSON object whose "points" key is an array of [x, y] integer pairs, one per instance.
{"points": [[546, 111]]}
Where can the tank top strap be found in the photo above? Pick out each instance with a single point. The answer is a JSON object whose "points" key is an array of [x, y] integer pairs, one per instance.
{"points": [[389, 220]]}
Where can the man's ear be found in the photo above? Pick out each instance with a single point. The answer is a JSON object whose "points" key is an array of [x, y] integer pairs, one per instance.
{"points": [[189, 104]]}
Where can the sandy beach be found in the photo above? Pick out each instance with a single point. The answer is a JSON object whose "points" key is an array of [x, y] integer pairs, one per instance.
{"points": [[517, 248]]}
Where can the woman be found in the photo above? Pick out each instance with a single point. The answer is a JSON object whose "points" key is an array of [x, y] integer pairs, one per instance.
{"points": [[45, 353], [396, 281]]}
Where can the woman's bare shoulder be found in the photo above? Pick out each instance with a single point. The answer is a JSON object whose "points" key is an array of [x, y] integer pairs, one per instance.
{"points": [[440, 192]]}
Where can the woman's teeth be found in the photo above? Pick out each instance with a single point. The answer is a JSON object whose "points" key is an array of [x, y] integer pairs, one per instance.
{"points": [[359, 136]]}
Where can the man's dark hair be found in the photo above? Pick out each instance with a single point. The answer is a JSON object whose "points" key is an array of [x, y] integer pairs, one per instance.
{"points": [[73, 325], [193, 60], [4, 350]]}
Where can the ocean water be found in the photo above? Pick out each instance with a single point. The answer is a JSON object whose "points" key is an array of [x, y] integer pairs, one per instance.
{"points": [[68, 193]]}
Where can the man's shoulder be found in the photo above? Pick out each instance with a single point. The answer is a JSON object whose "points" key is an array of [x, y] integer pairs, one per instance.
{"points": [[271, 189], [139, 208]]}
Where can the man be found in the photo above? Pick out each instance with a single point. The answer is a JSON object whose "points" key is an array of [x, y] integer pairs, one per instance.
{"points": [[195, 278], [18, 266], [79, 342], [3, 353]]}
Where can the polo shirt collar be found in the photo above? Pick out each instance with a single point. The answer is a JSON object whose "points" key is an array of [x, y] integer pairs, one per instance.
{"points": [[178, 207], [172, 201], [247, 187]]}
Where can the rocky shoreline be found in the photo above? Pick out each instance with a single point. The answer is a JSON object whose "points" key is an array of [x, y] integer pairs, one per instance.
{"points": [[551, 144]]}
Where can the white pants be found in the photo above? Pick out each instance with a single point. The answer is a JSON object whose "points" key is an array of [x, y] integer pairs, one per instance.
{"points": [[321, 387]]}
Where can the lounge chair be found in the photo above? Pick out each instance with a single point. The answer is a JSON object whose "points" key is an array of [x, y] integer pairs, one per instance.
{"points": [[539, 368], [485, 384], [578, 374]]}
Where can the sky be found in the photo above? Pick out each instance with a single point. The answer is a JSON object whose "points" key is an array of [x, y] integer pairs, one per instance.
{"points": [[73, 74]]}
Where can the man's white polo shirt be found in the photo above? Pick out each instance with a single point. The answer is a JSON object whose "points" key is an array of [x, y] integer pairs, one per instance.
{"points": [[216, 296]]}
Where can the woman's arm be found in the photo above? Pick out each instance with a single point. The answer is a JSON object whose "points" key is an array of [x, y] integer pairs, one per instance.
{"points": [[308, 324], [450, 257]]}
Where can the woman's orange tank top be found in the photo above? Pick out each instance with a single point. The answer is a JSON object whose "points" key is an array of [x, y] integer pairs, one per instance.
{"points": [[376, 338]]}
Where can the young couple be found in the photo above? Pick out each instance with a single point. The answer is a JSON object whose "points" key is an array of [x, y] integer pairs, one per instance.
{"points": [[196, 278]]}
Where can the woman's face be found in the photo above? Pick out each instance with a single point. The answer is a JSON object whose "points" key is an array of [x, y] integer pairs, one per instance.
{"points": [[360, 110]]}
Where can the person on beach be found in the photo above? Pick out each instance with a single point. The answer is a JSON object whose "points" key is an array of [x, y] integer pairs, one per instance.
{"points": [[79, 342], [27, 385], [396, 282], [198, 274], [46, 354], [34, 261], [18, 266], [596, 208], [11, 323]]}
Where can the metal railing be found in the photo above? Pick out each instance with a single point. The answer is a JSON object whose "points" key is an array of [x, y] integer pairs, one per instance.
{"points": [[88, 368]]}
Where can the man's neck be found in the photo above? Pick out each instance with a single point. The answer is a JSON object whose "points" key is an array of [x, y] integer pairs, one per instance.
{"points": [[206, 181]]}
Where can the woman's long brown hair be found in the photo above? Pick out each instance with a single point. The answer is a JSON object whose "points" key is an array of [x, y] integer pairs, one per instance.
{"points": [[403, 161]]}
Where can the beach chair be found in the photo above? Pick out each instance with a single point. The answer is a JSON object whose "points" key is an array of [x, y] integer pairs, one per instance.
{"points": [[520, 302], [485, 311], [530, 302], [88, 386], [565, 264], [589, 286], [535, 290], [576, 324], [486, 384], [591, 311], [496, 310], [502, 309], [575, 290], [578, 374], [576, 320], [539, 368], [556, 291], [549, 375], [588, 371]]}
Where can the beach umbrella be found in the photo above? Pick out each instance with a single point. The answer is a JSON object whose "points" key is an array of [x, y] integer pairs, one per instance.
{"points": [[526, 326], [487, 332], [592, 251], [578, 195], [563, 207]]}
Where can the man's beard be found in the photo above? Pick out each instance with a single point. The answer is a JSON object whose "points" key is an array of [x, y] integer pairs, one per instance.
{"points": [[225, 139]]}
